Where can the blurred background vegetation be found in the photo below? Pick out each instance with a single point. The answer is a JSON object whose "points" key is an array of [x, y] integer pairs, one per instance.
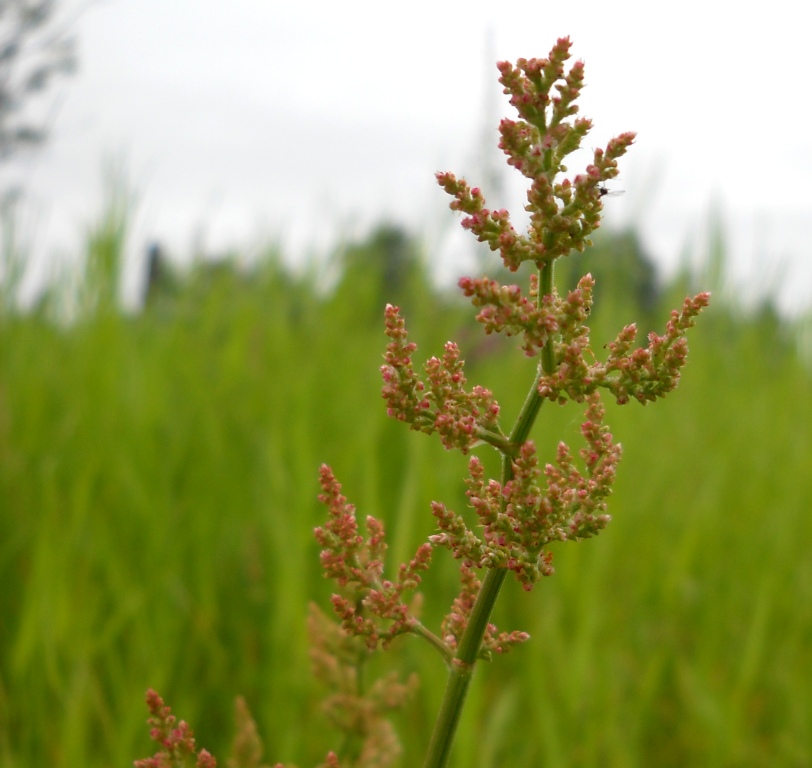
{"points": [[158, 482]]}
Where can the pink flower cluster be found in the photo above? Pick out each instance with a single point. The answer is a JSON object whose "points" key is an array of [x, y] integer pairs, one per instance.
{"points": [[506, 310], [444, 406], [562, 213], [375, 607], [176, 741], [643, 373], [521, 518]]}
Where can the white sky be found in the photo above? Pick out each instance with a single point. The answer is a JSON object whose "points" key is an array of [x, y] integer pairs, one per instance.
{"points": [[299, 120]]}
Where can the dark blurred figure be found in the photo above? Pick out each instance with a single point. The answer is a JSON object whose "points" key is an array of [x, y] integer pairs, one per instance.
{"points": [[161, 281], [385, 268]]}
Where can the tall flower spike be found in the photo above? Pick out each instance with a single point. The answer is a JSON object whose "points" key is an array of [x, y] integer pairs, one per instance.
{"points": [[563, 214], [532, 506]]}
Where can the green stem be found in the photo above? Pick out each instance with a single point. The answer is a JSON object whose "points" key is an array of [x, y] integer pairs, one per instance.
{"points": [[435, 642], [462, 669], [462, 665], [546, 289]]}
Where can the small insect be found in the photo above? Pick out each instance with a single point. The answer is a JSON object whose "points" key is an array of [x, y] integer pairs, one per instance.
{"points": [[602, 189]]}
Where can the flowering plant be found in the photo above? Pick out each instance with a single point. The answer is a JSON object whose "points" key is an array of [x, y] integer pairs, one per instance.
{"points": [[517, 516], [529, 506]]}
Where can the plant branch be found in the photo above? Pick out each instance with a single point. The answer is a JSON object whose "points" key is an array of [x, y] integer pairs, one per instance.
{"points": [[462, 666]]}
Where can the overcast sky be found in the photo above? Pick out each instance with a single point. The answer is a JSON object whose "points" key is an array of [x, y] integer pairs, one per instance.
{"points": [[242, 120]]}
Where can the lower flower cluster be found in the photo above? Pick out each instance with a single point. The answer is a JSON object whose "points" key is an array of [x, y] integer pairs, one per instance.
{"points": [[375, 609], [175, 739], [520, 518], [372, 606], [359, 711], [455, 623]]}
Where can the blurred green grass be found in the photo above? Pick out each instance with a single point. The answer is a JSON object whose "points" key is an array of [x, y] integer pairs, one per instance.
{"points": [[158, 482]]}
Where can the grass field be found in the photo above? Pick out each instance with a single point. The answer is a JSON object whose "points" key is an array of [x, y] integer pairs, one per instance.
{"points": [[158, 482]]}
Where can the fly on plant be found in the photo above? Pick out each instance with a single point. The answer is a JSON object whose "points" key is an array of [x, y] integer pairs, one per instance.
{"points": [[605, 192]]}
